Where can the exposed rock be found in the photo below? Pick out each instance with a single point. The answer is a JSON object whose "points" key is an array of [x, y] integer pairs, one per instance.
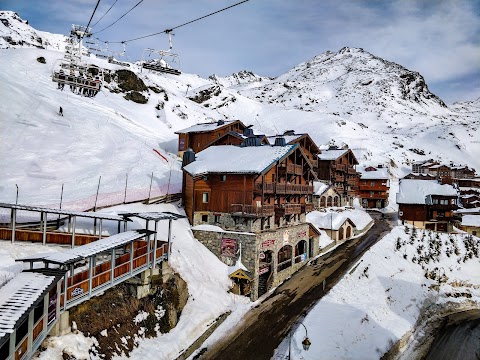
{"points": [[41, 60], [129, 81], [135, 96]]}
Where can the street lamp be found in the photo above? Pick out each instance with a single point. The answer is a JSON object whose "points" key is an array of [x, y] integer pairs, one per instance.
{"points": [[305, 343]]}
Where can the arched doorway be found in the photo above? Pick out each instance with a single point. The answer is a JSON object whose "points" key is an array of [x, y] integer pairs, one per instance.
{"points": [[340, 233], [284, 258], [335, 201], [329, 201], [300, 251], [265, 272], [323, 201], [348, 234]]}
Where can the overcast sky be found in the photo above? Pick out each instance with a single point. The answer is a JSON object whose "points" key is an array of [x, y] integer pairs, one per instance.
{"points": [[439, 39]]}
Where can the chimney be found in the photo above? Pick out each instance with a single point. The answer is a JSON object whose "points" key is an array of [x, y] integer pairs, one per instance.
{"points": [[188, 157], [220, 122], [280, 141]]}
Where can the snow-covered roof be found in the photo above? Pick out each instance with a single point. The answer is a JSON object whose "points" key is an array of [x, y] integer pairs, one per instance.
{"points": [[288, 138], [82, 252], [205, 127], [378, 173], [319, 188], [412, 191], [155, 216], [96, 215], [333, 154], [18, 295], [215, 228], [237, 160], [471, 220], [335, 219]]}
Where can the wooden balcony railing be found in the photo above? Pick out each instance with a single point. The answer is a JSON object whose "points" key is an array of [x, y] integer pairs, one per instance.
{"points": [[340, 167], [352, 182], [351, 170], [283, 188], [288, 209], [339, 178], [307, 207], [253, 210]]}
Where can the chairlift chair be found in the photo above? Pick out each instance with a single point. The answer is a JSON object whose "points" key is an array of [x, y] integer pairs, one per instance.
{"points": [[77, 76], [167, 62], [112, 60]]}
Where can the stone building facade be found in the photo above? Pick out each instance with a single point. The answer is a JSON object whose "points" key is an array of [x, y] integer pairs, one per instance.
{"points": [[270, 255]]}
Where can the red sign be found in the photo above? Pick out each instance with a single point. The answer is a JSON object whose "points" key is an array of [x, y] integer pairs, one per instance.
{"points": [[261, 255], [268, 243], [263, 270], [229, 247], [302, 234]]}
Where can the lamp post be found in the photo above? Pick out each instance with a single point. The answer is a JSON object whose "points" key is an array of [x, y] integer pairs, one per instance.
{"points": [[305, 343]]}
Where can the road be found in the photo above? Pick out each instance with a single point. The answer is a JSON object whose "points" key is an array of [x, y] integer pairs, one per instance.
{"points": [[265, 326]]}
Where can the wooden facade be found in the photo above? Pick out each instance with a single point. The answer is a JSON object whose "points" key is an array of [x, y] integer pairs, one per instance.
{"points": [[233, 138], [284, 188], [341, 173], [373, 188], [199, 140]]}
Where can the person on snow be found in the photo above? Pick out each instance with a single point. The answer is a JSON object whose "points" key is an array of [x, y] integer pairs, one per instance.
{"points": [[61, 111]]}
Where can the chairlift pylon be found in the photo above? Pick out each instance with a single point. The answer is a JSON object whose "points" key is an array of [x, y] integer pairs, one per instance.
{"points": [[167, 62]]}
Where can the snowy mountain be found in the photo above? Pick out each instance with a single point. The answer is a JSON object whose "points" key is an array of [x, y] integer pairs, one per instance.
{"points": [[383, 111], [15, 33]]}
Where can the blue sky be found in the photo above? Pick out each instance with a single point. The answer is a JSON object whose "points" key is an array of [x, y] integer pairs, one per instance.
{"points": [[439, 39]]}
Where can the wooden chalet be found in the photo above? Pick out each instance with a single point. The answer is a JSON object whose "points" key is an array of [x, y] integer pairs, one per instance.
{"points": [[338, 167], [199, 136], [427, 204], [374, 187], [307, 145], [270, 183]]}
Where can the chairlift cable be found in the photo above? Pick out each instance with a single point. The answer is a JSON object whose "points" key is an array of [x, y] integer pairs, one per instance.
{"points": [[91, 17], [110, 8], [178, 26], [119, 17]]}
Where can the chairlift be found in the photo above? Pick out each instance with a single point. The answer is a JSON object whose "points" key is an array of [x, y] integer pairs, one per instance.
{"points": [[82, 79], [167, 61], [112, 60]]}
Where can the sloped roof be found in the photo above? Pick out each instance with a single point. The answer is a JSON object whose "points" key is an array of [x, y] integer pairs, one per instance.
{"points": [[82, 252], [332, 154], [228, 159], [19, 295], [377, 174], [334, 220], [206, 127], [471, 220], [412, 191], [319, 188]]}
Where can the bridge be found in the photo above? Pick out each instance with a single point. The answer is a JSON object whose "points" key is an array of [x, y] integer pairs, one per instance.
{"points": [[32, 302]]}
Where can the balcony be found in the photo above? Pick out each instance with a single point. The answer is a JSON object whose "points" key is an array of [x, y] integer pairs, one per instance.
{"points": [[288, 209], [352, 170], [352, 193], [284, 188], [340, 167], [307, 207], [339, 178], [292, 169], [252, 211], [352, 182]]}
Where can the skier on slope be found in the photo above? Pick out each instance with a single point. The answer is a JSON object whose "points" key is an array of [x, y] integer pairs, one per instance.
{"points": [[61, 111]]}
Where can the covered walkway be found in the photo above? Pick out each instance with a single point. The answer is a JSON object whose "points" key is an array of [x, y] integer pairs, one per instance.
{"points": [[13, 230]]}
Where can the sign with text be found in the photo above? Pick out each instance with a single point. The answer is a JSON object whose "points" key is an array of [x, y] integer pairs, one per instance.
{"points": [[182, 144], [264, 270], [268, 243], [229, 247]]}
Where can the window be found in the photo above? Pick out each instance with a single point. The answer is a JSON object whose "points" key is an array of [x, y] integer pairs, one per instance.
{"points": [[444, 202], [205, 197], [372, 183], [454, 201], [217, 218], [205, 177], [205, 218], [435, 201], [38, 312], [364, 183], [223, 178], [474, 233]]}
